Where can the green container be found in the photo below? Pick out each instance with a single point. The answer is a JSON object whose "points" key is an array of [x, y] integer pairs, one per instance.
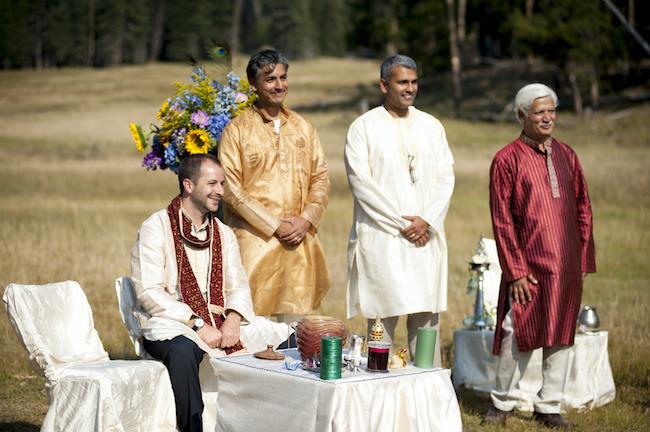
{"points": [[425, 347], [330, 357]]}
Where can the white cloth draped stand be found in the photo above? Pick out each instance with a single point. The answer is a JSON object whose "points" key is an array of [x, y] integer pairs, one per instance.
{"points": [[589, 380], [261, 395]]}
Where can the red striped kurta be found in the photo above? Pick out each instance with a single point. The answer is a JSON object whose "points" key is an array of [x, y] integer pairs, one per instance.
{"points": [[548, 237]]}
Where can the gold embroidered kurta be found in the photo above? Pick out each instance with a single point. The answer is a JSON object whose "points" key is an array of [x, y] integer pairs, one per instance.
{"points": [[268, 176]]}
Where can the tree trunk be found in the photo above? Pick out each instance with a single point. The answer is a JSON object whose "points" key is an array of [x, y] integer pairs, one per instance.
{"points": [[455, 55], [530, 4], [234, 29], [90, 48], [630, 28], [575, 90], [117, 54], [462, 12], [39, 60], [630, 12], [158, 30], [594, 88], [393, 29]]}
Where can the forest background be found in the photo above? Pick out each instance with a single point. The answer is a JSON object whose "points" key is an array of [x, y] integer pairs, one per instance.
{"points": [[596, 47], [76, 72]]}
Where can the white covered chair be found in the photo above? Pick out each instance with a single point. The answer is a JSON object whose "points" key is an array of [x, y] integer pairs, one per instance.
{"points": [[133, 316], [87, 390], [492, 277]]}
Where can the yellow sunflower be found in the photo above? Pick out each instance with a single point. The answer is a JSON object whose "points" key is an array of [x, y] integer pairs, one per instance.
{"points": [[138, 136], [197, 141], [163, 110]]}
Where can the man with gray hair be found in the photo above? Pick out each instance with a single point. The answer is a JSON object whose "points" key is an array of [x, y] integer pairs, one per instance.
{"points": [[400, 171], [542, 222]]}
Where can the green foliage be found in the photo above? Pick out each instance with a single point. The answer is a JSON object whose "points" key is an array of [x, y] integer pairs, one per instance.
{"points": [[16, 33], [427, 38], [290, 28], [564, 31], [331, 23]]}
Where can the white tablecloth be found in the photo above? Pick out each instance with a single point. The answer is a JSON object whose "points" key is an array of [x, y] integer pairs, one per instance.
{"points": [[589, 380], [261, 395]]}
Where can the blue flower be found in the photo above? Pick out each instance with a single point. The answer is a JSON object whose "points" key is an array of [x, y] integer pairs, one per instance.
{"points": [[217, 124], [224, 103], [188, 101], [171, 158], [233, 80], [198, 74]]}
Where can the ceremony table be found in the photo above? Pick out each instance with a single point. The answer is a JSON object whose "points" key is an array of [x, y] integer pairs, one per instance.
{"points": [[262, 395], [589, 381]]}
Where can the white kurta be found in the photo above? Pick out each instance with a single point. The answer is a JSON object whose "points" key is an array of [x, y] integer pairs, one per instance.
{"points": [[388, 275], [155, 276]]}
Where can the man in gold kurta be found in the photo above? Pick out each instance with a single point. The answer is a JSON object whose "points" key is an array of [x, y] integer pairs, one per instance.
{"points": [[277, 189]]}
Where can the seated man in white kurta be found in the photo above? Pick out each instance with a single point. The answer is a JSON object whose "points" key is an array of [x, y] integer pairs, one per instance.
{"points": [[188, 276], [400, 171]]}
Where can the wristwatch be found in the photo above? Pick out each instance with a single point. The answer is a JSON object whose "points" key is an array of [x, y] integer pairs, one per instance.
{"points": [[198, 323]]}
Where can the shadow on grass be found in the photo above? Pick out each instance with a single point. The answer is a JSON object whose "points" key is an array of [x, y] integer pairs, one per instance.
{"points": [[473, 403], [19, 427]]}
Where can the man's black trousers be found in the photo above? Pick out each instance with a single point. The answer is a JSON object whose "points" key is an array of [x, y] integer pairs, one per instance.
{"points": [[182, 357]]}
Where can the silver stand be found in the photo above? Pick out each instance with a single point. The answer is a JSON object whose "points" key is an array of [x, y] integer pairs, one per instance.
{"points": [[478, 266]]}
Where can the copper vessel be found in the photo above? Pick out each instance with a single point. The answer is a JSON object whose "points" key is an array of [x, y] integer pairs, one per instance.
{"points": [[311, 329]]}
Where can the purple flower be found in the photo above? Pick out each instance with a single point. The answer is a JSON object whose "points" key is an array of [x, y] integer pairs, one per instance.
{"points": [[240, 98], [200, 118], [152, 161], [178, 137]]}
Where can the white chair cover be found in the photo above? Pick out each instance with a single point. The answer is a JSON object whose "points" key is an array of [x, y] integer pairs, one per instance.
{"points": [[134, 317], [87, 391], [492, 277]]}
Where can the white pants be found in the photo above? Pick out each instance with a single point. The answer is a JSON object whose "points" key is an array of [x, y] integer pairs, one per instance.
{"points": [[413, 321], [511, 367]]}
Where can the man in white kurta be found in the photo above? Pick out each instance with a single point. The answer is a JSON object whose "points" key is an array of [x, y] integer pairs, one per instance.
{"points": [[174, 332], [400, 171]]}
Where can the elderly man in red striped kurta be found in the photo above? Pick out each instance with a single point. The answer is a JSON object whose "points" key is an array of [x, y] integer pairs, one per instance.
{"points": [[541, 216]]}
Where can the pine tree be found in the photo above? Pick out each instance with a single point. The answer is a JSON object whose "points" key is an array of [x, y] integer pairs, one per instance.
{"points": [[291, 28], [330, 25], [17, 35], [575, 35]]}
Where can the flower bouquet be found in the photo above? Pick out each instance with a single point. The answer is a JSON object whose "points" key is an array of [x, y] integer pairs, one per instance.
{"points": [[193, 120]]}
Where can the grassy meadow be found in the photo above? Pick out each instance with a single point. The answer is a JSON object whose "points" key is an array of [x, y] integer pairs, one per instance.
{"points": [[73, 196]]}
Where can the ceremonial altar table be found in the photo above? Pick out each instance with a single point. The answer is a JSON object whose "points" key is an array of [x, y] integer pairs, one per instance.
{"points": [[256, 395], [589, 381]]}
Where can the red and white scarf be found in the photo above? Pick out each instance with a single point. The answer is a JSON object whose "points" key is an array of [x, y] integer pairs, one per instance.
{"points": [[190, 292]]}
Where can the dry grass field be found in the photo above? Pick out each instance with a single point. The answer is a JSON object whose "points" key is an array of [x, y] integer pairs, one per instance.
{"points": [[73, 196]]}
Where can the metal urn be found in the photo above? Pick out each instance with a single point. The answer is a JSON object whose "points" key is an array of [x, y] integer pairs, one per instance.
{"points": [[478, 266], [588, 319]]}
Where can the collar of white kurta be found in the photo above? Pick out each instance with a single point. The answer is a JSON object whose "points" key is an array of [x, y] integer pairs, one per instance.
{"points": [[191, 295], [548, 147]]}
